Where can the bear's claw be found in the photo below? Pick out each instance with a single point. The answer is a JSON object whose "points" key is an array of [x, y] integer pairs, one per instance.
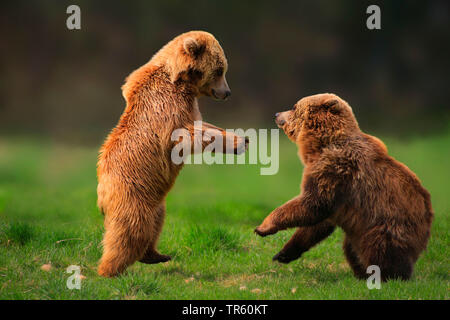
{"points": [[156, 259], [284, 257], [264, 233]]}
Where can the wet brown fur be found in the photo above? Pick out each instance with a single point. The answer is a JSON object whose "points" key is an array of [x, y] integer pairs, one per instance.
{"points": [[350, 181], [135, 171]]}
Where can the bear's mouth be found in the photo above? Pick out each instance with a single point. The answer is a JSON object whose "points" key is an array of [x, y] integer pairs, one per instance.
{"points": [[280, 123], [214, 94], [220, 96], [280, 119]]}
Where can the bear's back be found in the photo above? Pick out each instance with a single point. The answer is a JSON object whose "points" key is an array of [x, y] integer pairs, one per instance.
{"points": [[380, 190], [138, 149]]}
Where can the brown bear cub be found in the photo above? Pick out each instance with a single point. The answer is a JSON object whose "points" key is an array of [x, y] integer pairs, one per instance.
{"points": [[135, 171], [350, 181]]}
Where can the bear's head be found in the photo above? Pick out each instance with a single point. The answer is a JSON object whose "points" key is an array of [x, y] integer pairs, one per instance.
{"points": [[197, 59], [319, 119]]}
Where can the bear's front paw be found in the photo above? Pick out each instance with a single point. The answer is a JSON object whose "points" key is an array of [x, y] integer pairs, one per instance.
{"points": [[241, 145], [286, 257], [265, 231]]}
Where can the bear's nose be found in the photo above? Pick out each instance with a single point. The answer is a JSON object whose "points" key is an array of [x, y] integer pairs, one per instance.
{"points": [[227, 94]]}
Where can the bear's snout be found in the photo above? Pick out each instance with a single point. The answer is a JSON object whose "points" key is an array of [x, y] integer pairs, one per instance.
{"points": [[221, 95], [221, 90], [280, 118]]}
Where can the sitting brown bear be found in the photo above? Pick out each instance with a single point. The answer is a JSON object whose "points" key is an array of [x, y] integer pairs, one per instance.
{"points": [[350, 181]]}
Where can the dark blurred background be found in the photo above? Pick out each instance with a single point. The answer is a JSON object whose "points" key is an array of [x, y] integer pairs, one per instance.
{"points": [[65, 84]]}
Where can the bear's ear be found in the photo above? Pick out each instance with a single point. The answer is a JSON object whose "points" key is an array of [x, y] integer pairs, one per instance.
{"points": [[332, 105], [193, 47]]}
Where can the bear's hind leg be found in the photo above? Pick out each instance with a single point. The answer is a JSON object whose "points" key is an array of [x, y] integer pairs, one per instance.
{"points": [[403, 271], [123, 244], [352, 258], [394, 262], [151, 255]]}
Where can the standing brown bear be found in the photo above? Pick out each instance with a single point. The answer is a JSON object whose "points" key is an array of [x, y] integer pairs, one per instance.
{"points": [[135, 171], [350, 181]]}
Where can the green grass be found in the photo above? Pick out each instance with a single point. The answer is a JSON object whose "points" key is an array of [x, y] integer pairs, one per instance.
{"points": [[48, 215]]}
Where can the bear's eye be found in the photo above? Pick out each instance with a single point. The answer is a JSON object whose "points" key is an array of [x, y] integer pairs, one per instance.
{"points": [[218, 72]]}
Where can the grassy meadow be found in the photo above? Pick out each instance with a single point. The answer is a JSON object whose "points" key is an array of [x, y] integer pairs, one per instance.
{"points": [[48, 216]]}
